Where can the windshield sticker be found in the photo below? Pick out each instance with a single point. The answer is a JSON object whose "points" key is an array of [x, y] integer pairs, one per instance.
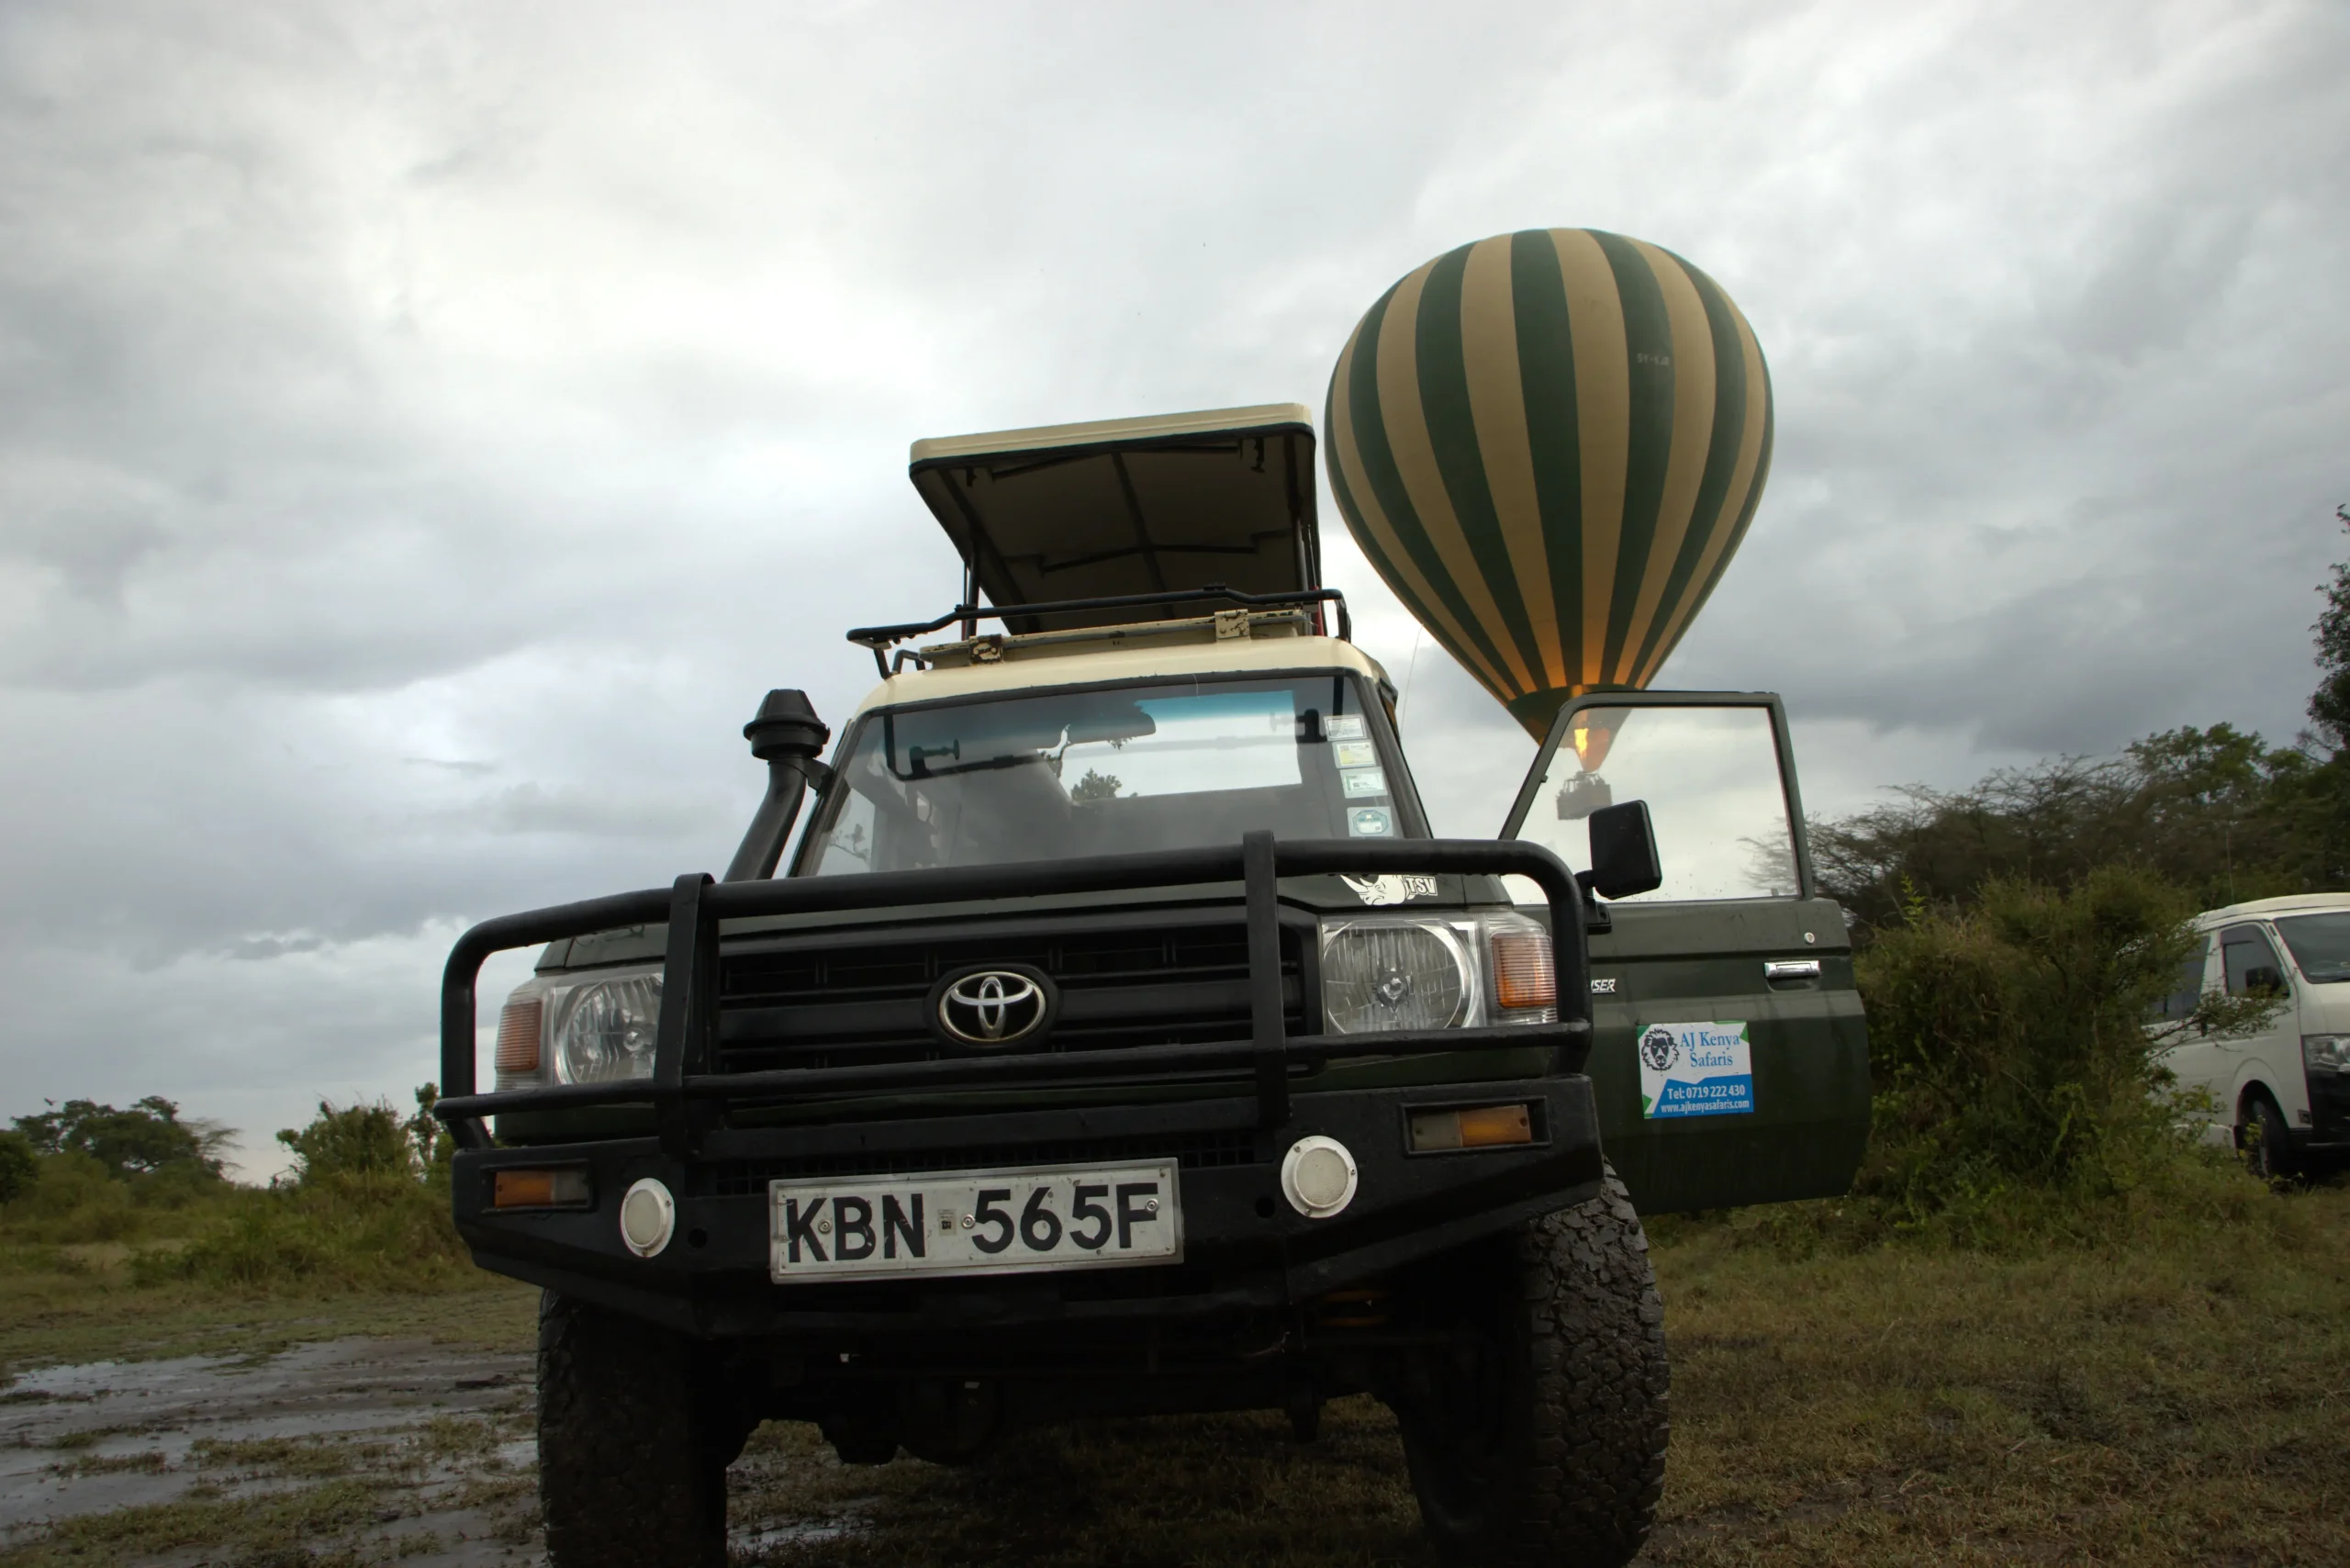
{"points": [[1389, 889], [1696, 1069], [1364, 780], [1370, 822], [1343, 727], [1354, 753]]}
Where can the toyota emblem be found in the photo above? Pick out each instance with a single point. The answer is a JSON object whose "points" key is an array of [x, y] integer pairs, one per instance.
{"points": [[989, 1008]]}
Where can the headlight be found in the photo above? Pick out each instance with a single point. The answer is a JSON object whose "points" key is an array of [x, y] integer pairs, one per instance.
{"points": [[1382, 972], [554, 1029], [1389, 971], [2326, 1053], [602, 1031]]}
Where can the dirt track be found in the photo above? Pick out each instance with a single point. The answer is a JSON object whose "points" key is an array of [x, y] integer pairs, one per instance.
{"points": [[365, 1451], [434, 1441]]}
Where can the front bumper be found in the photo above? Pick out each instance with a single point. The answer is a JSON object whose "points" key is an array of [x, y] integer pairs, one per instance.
{"points": [[1245, 1249], [2329, 1131]]}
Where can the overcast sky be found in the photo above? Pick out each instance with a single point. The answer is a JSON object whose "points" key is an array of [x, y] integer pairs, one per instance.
{"points": [[426, 430]]}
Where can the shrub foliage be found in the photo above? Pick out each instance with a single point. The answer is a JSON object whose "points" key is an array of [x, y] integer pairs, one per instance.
{"points": [[2014, 1069], [367, 1209]]}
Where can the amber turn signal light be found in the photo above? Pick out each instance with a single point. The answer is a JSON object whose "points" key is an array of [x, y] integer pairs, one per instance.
{"points": [[1486, 1127], [517, 1037], [1524, 972], [538, 1189]]}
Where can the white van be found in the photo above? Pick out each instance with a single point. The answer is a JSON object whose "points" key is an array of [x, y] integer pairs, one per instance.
{"points": [[2282, 1091]]}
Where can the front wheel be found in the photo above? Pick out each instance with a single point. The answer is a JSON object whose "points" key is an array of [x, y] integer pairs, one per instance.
{"points": [[633, 1454], [1540, 1442]]}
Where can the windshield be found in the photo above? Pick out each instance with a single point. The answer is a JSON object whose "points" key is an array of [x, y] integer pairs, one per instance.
{"points": [[2320, 945], [1171, 765]]}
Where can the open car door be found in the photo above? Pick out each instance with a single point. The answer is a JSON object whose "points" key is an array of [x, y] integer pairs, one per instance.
{"points": [[1729, 1055]]}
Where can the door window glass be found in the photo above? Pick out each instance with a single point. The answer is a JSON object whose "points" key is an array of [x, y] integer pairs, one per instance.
{"points": [[2320, 945], [1710, 777], [2252, 965], [2187, 992]]}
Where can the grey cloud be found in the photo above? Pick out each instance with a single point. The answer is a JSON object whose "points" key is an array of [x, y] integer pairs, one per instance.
{"points": [[534, 808], [424, 436]]}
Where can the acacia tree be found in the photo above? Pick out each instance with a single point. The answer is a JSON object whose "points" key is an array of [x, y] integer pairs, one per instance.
{"points": [[141, 1140], [2330, 704]]}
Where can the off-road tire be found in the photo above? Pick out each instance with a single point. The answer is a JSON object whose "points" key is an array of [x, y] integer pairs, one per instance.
{"points": [[1562, 1461], [2268, 1145], [632, 1463]]}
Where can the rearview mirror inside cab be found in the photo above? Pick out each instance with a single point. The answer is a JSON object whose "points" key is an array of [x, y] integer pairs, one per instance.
{"points": [[1624, 860]]}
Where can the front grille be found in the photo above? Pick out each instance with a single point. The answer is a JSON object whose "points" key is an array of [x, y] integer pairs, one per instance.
{"points": [[1193, 1151], [1135, 978]]}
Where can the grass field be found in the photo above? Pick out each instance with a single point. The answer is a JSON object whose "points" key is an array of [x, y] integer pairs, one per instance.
{"points": [[2177, 1394]]}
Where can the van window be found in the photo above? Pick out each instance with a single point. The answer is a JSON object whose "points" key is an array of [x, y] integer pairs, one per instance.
{"points": [[2187, 992], [2251, 962], [2320, 945]]}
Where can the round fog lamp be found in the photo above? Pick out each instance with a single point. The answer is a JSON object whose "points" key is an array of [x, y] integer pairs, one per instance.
{"points": [[1318, 1176], [648, 1216]]}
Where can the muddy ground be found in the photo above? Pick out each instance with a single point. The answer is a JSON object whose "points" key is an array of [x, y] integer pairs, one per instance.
{"points": [[391, 1448], [2176, 1399], [363, 1451]]}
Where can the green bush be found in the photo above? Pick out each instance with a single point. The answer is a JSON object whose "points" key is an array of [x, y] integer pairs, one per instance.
{"points": [[344, 1232], [368, 1210], [2018, 1088], [74, 1198], [352, 1140], [17, 1165]]}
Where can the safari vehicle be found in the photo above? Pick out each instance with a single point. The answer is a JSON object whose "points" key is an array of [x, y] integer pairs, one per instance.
{"points": [[2279, 1092], [1118, 1040]]}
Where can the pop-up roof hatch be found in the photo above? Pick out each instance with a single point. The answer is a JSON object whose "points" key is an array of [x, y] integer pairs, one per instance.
{"points": [[1224, 497]]}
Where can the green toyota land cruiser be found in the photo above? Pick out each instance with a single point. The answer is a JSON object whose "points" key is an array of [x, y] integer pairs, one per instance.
{"points": [[1117, 1038]]}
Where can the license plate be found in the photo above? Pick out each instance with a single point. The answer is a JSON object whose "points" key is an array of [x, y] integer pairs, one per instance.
{"points": [[975, 1222]]}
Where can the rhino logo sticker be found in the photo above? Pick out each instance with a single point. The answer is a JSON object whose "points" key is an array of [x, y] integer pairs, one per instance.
{"points": [[1389, 889]]}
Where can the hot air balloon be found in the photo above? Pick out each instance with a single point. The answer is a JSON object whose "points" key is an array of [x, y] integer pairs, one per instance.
{"points": [[1549, 444]]}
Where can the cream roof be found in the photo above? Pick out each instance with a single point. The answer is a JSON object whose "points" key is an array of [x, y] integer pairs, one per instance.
{"points": [[1235, 657]]}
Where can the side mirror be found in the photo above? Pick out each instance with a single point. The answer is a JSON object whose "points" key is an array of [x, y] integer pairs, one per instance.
{"points": [[2265, 977], [1623, 852]]}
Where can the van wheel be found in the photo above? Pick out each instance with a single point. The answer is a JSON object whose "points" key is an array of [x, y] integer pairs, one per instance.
{"points": [[632, 1449], [2268, 1145], [1543, 1446]]}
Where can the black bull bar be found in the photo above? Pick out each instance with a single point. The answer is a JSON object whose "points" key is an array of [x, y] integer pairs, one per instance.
{"points": [[686, 1097]]}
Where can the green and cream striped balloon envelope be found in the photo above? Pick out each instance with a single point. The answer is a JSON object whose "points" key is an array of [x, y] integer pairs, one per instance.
{"points": [[1549, 444]]}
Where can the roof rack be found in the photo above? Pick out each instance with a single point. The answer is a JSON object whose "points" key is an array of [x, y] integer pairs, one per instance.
{"points": [[881, 639]]}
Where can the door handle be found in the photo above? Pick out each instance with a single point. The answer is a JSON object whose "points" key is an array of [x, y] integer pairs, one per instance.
{"points": [[1790, 969]]}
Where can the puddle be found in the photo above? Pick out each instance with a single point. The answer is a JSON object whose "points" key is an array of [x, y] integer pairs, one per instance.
{"points": [[443, 1436], [108, 1435]]}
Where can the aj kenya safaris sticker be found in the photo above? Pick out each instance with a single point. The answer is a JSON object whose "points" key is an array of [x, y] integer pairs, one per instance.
{"points": [[1696, 1069]]}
